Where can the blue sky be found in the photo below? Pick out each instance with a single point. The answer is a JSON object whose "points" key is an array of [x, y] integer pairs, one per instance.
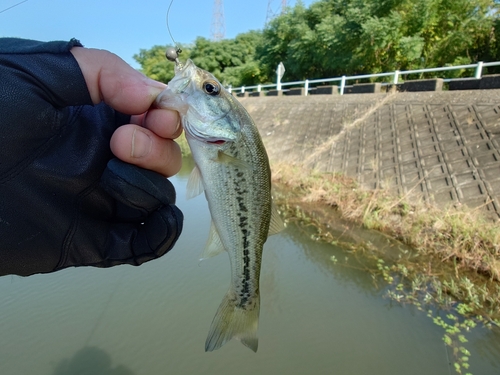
{"points": [[124, 27]]}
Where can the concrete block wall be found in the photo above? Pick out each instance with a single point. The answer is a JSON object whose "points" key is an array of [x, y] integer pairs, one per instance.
{"points": [[422, 85], [441, 146], [363, 88]]}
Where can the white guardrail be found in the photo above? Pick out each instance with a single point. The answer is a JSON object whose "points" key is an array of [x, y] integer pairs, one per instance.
{"points": [[396, 75]]}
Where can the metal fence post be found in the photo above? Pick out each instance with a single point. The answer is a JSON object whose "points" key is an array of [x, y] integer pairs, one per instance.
{"points": [[396, 77], [280, 71], [342, 85], [259, 88], [306, 87], [479, 70], [230, 89], [242, 89]]}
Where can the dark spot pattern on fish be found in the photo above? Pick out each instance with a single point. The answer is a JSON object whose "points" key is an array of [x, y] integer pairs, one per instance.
{"points": [[245, 288]]}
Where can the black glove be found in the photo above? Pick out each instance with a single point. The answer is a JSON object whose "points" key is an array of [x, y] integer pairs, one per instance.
{"points": [[55, 211]]}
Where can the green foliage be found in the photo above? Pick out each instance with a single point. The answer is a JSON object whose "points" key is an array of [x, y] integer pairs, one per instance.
{"points": [[336, 37], [232, 61]]}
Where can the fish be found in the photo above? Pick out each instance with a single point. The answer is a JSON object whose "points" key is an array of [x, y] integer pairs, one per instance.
{"points": [[232, 169]]}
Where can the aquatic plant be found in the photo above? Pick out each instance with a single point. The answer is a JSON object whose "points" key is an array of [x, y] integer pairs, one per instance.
{"points": [[448, 264]]}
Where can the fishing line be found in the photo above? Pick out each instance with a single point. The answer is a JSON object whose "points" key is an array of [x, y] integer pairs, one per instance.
{"points": [[179, 50], [172, 53]]}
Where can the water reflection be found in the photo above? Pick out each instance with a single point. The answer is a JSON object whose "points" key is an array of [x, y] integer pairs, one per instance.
{"points": [[487, 344], [347, 270], [90, 361]]}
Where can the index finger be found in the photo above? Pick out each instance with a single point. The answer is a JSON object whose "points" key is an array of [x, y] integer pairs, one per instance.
{"points": [[112, 80]]}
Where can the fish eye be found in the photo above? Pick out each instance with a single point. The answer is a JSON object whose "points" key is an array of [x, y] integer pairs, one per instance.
{"points": [[211, 88]]}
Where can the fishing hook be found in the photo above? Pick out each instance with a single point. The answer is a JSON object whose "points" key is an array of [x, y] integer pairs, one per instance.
{"points": [[172, 53]]}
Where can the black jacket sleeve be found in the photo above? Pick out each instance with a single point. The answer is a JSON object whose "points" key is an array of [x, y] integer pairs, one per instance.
{"points": [[64, 200]]}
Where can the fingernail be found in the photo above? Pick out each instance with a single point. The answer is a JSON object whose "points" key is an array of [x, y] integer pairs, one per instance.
{"points": [[141, 144], [155, 86]]}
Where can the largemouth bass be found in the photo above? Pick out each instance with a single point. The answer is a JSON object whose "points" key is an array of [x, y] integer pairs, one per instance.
{"points": [[232, 168]]}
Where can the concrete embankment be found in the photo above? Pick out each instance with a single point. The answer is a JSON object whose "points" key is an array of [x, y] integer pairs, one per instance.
{"points": [[441, 146]]}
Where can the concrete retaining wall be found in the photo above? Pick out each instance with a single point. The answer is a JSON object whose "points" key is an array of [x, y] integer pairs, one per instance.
{"points": [[422, 85], [364, 88], [439, 146], [324, 90]]}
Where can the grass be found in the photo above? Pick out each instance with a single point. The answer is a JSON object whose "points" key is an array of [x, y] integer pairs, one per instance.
{"points": [[455, 252], [451, 260]]}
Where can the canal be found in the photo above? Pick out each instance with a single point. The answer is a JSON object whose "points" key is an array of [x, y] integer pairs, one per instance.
{"points": [[317, 316]]}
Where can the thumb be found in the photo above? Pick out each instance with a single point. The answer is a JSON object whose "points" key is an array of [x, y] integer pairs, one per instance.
{"points": [[112, 80]]}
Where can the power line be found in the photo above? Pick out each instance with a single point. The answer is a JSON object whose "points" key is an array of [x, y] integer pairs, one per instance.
{"points": [[15, 5]]}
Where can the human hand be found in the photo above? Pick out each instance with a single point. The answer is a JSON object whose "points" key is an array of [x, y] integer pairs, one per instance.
{"points": [[148, 141], [62, 204]]}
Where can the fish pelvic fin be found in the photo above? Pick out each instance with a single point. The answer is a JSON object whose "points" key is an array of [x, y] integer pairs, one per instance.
{"points": [[214, 244], [195, 184], [234, 321]]}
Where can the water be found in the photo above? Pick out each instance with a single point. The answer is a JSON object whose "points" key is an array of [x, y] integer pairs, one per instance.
{"points": [[316, 317]]}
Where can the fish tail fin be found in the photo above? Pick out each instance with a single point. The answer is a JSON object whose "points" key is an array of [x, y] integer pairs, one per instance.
{"points": [[234, 321]]}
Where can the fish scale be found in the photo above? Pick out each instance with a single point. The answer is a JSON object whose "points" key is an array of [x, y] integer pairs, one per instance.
{"points": [[247, 240], [232, 168]]}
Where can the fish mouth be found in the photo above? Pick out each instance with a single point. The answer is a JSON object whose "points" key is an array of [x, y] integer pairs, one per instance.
{"points": [[179, 85], [203, 137], [185, 74], [218, 142], [183, 86]]}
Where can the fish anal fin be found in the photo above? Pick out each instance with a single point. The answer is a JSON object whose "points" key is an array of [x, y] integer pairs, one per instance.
{"points": [[234, 321], [276, 224], [214, 244], [195, 184]]}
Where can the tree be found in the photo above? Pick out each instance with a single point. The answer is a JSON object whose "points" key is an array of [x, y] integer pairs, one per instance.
{"points": [[232, 61], [335, 37]]}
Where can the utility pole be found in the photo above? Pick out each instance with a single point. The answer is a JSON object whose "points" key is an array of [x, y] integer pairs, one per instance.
{"points": [[271, 13], [218, 29]]}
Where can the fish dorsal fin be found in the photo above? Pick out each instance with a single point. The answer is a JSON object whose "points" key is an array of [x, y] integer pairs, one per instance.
{"points": [[214, 244], [195, 184], [276, 224], [228, 159]]}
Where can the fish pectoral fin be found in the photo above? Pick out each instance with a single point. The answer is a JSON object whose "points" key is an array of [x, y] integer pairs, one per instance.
{"points": [[228, 159], [276, 224], [214, 244], [195, 184]]}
